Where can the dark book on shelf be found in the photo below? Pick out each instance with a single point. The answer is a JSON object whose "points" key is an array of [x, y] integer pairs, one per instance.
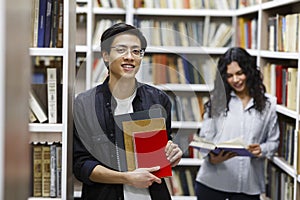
{"points": [[42, 23], [59, 36], [48, 23], [54, 23]]}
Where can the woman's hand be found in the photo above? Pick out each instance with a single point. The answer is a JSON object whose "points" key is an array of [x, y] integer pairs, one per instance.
{"points": [[255, 149], [142, 177], [173, 153], [221, 157]]}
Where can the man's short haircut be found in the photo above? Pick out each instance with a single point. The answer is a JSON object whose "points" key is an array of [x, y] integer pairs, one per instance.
{"points": [[109, 35]]}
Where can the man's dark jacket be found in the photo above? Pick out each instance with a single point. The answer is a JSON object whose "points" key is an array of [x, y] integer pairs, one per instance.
{"points": [[99, 102]]}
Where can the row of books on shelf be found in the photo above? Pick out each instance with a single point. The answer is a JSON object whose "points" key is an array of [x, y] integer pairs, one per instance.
{"points": [[177, 69], [247, 33], [184, 139], [176, 32], [47, 21], [110, 3], [178, 4], [40, 64], [194, 4], [45, 97], [100, 27], [166, 68], [45, 102], [279, 184], [287, 139], [284, 32], [203, 32], [187, 108], [46, 169], [281, 81], [99, 71], [182, 181]]}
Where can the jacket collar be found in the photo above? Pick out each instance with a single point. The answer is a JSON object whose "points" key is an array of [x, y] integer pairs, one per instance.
{"points": [[107, 95]]}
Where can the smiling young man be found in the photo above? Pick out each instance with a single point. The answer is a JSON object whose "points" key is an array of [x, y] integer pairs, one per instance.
{"points": [[95, 151]]}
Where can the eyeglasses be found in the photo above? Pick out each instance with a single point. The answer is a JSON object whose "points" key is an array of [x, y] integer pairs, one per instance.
{"points": [[135, 52]]}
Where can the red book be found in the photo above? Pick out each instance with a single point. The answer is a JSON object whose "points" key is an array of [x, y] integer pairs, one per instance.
{"points": [[278, 70], [149, 149]]}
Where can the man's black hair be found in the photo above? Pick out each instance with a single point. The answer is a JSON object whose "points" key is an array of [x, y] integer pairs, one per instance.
{"points": [[119, 28]]}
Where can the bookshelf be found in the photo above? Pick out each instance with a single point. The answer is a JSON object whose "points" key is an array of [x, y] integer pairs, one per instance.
{"points": [[63, 57], [270, 53], [250, 22]]}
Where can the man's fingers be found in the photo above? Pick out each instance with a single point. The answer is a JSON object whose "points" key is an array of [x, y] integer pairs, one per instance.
{"points": [[153, 169]]}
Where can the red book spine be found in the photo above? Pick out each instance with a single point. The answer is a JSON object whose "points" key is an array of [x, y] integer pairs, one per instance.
{"points": [[279, 83]]}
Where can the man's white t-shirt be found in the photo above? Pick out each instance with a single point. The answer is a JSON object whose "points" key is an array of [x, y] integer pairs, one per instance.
{"points": [[130, 192]]}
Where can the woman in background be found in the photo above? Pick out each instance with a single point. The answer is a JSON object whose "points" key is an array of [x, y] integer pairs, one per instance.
{"points": [[238, 107]]}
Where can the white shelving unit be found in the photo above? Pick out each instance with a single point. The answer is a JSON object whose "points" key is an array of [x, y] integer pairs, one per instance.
{"points": [[260, 11], [63, 132]]}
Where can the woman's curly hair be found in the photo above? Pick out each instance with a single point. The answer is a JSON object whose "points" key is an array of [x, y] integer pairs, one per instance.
{"points": [[220, 96]]}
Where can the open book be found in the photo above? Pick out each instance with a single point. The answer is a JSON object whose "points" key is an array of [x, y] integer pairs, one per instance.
{"points": [[235, 145]]}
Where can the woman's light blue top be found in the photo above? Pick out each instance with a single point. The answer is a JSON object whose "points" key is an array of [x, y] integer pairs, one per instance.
{"points": [[241, 174]]}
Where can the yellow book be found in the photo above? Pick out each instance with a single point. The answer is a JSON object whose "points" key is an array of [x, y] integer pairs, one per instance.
{"points": [[292, 88]]}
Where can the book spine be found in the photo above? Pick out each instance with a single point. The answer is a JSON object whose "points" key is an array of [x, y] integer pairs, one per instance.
{"points": [[52, 94], [37, 170], [45, 170], [53, 170], [35, 22], [58, 170], [54, 22], [36, 108], [42, 21], [48, 23], [60, 19]]}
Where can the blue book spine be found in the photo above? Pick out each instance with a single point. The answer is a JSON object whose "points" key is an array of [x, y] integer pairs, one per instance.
{"points": [[42, 21], [48, 23]]}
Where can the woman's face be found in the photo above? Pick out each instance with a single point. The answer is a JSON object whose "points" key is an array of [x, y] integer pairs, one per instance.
{"points": [[236, 78]]}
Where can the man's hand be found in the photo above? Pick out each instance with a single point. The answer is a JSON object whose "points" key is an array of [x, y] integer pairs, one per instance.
{"points": [[142, 177], [221, 157], [173, 153]]}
